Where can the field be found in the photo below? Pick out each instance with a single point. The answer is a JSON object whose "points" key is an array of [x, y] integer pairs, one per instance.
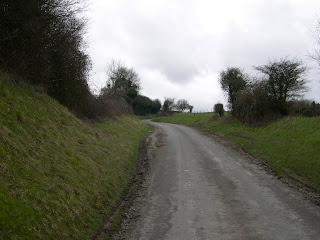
{"points": [[59, 176], [291, 146]]}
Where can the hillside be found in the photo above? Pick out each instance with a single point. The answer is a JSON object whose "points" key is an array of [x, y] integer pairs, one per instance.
{"points": [[59, 176], [290, 146]]}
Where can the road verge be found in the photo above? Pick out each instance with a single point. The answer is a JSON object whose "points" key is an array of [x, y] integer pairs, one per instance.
{"points": [[127, 208]]}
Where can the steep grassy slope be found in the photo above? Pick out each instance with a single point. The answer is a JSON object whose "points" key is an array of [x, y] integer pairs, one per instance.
{"points": [[291, 145], [59, 175]]}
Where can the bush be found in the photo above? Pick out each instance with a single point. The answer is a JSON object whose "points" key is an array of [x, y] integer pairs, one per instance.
{"points": [[232, 80], [254, 104], [42, 42], [163, 114], [143, 105], [218, 108]]}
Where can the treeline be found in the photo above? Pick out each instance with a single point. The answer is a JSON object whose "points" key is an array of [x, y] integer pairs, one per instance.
{"points": [[170, 106], [42, 42], [274, 94]]}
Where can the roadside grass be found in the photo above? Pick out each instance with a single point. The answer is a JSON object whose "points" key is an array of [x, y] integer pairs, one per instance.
{"points": [[59, 176], [291, 146]]}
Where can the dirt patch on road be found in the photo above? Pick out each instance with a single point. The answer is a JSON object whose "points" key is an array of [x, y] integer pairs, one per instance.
{"points": [[133, 198]]}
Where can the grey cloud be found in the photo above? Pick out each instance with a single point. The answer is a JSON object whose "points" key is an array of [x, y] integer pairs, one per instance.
{"points": [[182, 42], [163, 44]]}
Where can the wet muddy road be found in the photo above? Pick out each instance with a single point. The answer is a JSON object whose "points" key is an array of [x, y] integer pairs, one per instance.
{"points": [[200, 189]]}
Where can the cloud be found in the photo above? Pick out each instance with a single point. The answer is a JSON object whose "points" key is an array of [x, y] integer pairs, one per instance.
{"points": [[201, 89], [177, 46]]}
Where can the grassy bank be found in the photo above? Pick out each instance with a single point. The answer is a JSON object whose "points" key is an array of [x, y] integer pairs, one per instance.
{"points": [[59, 176], [291, 146]]}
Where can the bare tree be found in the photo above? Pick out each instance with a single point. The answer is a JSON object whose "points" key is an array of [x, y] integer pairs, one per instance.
{"points": [[182, 105], [315, 55], [122, 81], [168, 105], [284, 81]]}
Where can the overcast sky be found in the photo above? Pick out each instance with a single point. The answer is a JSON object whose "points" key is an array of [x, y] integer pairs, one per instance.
{"points": [[178, 47]]}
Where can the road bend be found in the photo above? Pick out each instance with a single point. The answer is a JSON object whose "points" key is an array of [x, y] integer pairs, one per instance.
{"points": [[200, 189]]}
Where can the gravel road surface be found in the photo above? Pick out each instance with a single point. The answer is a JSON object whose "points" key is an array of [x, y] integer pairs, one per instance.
{"points": [[200, 189]]}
